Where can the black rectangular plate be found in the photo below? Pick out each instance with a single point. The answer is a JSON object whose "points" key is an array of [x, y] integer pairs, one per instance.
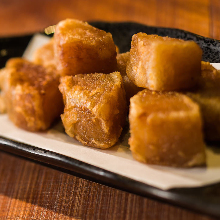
{"points": [[203, 199]]}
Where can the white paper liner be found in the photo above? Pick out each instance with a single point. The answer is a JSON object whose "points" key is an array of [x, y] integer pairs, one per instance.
{"points": [[117, 159]]}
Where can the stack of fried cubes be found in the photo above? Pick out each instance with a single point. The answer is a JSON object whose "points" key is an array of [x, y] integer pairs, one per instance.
{"points": [[173, 97]]}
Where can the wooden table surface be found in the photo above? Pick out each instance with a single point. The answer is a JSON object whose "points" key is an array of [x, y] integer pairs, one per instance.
{"points": [[32, 191]]}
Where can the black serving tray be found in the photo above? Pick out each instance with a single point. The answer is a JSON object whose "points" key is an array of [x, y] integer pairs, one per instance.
{"points": [[205, 200]]}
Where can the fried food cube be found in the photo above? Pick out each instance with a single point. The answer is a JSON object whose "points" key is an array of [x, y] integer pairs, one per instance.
{"points": [[95, 108], [81, 48], [130, 88], [207, 96], [163, 63], [2, 104], [117, 49], [33, 100], [208, 72], [166, 129], [2, 99], [45, 55]]}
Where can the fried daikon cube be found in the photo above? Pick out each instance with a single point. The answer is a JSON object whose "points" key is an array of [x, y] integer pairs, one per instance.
{"points": [[163, 63], [45, 55], [33, 100], [81, 48], [2, 104], [208, 72], [2, 98], [207, 96], [130, 88], [95, 108], [166, 129]]}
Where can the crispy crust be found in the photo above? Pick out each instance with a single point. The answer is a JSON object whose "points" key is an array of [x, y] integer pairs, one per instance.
{"points": [[95, 108], [32, 96], [130, 88], [163, 63], [81, 48], [166, 129]]}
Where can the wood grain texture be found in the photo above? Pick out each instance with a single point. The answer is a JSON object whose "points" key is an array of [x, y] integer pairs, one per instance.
{"points": [[31, 191], [198, 16], [215, 19]]}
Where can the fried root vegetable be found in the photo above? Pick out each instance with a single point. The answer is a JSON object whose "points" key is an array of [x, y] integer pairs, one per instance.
{"points": [[166, 129], [95, 108], [2, 104], [45, 55], [81, 48], [33, 100], [2, 98], [163, 63], [207, 96], [130, 88]]}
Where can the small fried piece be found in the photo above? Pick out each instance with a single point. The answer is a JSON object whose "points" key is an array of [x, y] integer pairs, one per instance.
{"points": [[207, 96], [130, 88], [166, 129], [163, 63], [33, 99], [95, 108], [2, 99], [2, 104], [209, 72], [45, 55], [80, 48]]}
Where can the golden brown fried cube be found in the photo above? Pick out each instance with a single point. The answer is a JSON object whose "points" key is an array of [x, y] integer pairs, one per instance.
{"points": [[2, 104], [2, 99], [95, 108], [130, 88], [45, 55], [33, 99], [163, 63], [207, 96], [208, 72], [166, 129], [81, 48]]}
